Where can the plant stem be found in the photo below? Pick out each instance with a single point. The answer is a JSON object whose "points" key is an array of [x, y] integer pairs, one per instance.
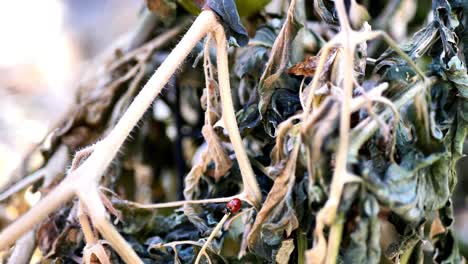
{"points": [[315, 81], [334, 239], [177, 203], [251, 188], [92, 201], [203, 24], [61, 194], [301, 246], [211, 237], [24, 248], [327, 215], [360, 134], [85, 225], [56, 164]]}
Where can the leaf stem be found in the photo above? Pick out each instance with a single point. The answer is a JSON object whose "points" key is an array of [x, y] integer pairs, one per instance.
{"points": [[251, 189], [177, 203], [211, 237], [334, 239]]}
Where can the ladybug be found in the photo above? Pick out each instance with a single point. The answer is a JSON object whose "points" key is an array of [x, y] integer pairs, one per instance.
{"points": [[233, 206]]}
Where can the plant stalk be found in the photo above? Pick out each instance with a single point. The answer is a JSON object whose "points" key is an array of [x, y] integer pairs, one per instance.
{"points": [[251, 189]]}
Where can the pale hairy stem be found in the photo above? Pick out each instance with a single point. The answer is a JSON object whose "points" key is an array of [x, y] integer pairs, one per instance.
{"points": [[177, 203], [211, 237], [93, 167], [251, 189], [336, 232], [92, 201], [85, 225], [61, 194], [234, 218], [24, 247], [25, 182], [203, 24]]}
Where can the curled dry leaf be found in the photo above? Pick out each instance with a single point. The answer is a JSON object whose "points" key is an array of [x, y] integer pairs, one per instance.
{"points": [[279, 57], [96, 254], [309, 65], [227, 11], [216, 152], [276, 216], [284, 252]]}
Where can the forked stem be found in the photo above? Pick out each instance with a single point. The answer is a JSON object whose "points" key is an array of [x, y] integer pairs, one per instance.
{"points": [[89, 173], [97, 212], [83, 181]]}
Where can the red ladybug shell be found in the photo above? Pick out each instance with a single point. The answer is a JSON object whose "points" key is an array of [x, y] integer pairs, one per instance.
{"points": [[234, 205]]}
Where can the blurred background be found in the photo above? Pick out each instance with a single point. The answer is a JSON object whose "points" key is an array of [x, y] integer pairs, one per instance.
{"points": [[44, 47]]}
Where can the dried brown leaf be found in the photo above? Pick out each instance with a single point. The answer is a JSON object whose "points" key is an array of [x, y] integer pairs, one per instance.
{"points": [[279, 57], [436, 228], [284, 252], [276, 200], [309, 65], [46, 235], [216, 152], [163, 8], [96, 254]]}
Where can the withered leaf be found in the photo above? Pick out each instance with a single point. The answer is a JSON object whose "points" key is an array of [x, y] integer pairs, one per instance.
{"points": [[277, 215], [284, 252], [279, 57], [227, 10], [309, 65], [216, 152], [164, 8]]}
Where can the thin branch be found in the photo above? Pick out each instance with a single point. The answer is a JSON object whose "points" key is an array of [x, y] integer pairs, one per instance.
{"points": [[251, 189], [211, 237], [85, 225], [368, 127], [92, 201], [24, 248], [56, 165], [176, 203], [61, 194]]}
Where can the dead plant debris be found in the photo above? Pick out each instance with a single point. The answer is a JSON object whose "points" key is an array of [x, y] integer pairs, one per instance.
{"points": [[345, 155]]}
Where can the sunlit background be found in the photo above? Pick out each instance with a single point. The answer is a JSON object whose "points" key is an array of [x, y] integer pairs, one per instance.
{"points": [[43, 48]]}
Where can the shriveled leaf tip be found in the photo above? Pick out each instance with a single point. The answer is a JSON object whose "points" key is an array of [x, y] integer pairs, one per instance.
{"points": [[227, 11]]}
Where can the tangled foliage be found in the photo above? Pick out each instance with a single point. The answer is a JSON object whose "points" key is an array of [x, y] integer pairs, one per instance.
{"points": [[406, 135]]}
